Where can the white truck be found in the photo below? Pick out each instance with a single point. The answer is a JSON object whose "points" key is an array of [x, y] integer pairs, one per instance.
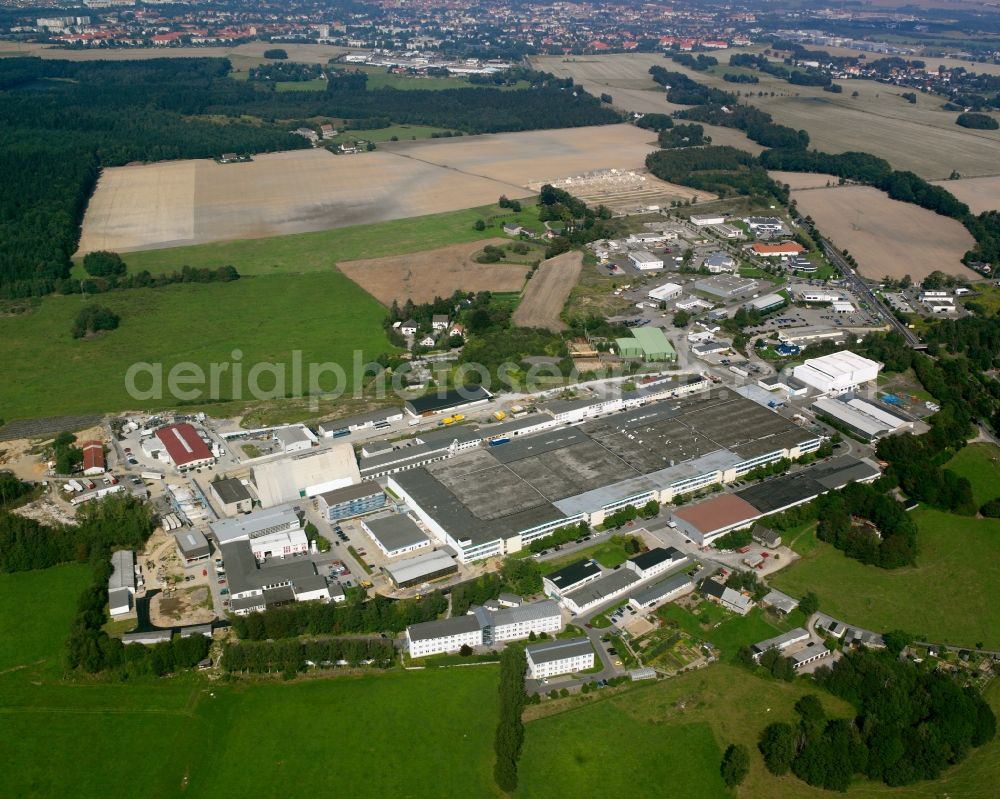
{"points": [[151, 476]]}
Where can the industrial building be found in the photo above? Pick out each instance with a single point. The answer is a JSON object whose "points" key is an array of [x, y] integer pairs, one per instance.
{"points": [[121, 583], [669, 588], [272, 533], [93, 458], [704, 521], [192, 546], [786, 249], [448, 401], [254, 587], [496, 500], [571, 577], [611, 586], [838, 372], [704, 220], [373, 420], [766, 302], [781, 642], [233, 497], [645, 261], [305, 475], [180, 445], [648, 343], [718, 262], [656, 561], [820, 296], [421, 569], [295, 438], [860, 417], [351, 501], [552, 658], [396, 534], [726, 287], [482, 626], [666, 292]]}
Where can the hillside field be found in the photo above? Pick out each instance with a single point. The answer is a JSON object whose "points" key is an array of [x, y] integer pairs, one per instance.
{"points": [[886, 236], [47, 372], [946, 598], [921, 137], [667, 739], [980, 465]]}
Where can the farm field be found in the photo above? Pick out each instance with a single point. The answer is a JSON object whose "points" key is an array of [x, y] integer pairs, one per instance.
{"points": [[425, 275], [672, 733], [946, 597], [177, 203], [921, 137], [320, 251], [803, 180], [887, 237], [980, 465], [546, 293], [322, 314], [980, 194]]}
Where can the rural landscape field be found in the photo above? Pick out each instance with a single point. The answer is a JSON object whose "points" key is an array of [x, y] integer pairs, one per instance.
{"points": [[980, 194], [878, 120], [546, 294], [887, 237]]}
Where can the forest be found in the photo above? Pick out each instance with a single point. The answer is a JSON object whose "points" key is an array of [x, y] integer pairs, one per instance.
{"points": [[62, 121], [721, 170]]}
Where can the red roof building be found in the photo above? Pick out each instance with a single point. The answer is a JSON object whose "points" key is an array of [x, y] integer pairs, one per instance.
{"points": [[184, 446], [778, 250], [93, 457], [705, 520]]}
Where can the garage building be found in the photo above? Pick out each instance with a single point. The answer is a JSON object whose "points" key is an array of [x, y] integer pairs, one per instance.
{"points": [[421, 569]]}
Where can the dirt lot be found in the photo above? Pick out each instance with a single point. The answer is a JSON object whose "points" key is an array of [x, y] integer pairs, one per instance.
{"points": [[980, 194], [803, 180], [919, 137], [887, 237], [191, 605], [169, 204], [425, 275], [547, 292], [304, 53]]}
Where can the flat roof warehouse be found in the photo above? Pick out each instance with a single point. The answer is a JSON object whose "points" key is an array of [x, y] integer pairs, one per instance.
{"points": [[478, 500]]}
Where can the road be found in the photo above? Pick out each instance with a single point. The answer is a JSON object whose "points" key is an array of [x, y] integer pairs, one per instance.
{"points": [[862, 290]]}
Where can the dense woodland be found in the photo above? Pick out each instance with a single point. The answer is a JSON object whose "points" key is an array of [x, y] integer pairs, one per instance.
{"points": [[721, 170], [61, 121]]}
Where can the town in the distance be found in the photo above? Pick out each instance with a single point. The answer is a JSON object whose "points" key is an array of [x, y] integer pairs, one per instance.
{"points": [[500, 399]]}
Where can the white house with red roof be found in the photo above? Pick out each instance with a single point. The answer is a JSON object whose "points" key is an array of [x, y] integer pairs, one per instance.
{"points": [[180, 445]]}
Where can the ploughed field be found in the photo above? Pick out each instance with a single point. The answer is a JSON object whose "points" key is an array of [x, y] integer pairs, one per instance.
{"points": [[887, 237], [170, 204]]}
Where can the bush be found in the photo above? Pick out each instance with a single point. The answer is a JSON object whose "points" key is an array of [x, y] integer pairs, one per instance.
{"points": [[94, 318], [735, 765], [276, 53], [102, 263], [977, 121], [991, 509]]}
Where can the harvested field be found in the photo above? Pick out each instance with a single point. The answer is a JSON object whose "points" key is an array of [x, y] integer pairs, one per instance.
{"points": [[422, 276], [921, 137], [980, 194], [547, 292], [303, 53], [170, 204], [803, 180], [628, 191], [43, 428], [887, 237]]}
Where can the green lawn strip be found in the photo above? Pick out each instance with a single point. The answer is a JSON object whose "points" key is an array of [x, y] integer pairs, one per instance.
{"points": [[36, 609], [608, 553], [314, 85], [325, 316], [946, 598], [980, 465], [307, 252], [362, 561]]}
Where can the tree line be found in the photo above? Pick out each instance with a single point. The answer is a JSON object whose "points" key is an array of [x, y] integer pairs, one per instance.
{"points": [[911, 724], [725, 171], [509, 738], [290, 656], [375, 615]]}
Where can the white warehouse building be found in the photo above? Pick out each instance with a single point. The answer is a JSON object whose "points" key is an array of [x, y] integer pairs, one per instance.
{"points": [[666, 292], [645, 261], [838, 372]]}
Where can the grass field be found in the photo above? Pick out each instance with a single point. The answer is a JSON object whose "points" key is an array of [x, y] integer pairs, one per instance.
{"points": [[29, 638], [946, 598], [323, 314], [609, 554], [401, 132], [162, 738], [381, 78], [667, 738], [314, 85], [723, 629], [980, 465], [307, 252]]}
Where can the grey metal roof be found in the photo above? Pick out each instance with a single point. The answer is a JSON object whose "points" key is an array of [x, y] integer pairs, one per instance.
{"points": [[123, 574], [781, 641], [244, 575], [657, 556], [380, 415], [446, 436], [395, 531], [661, 589], [811, 650], [230, 490], [291, 435], [608, 585], [442, 628], [558, 650], [192, 543], [533, 611], [240, 527], [311, 582], [411, 569], [351, 493]]}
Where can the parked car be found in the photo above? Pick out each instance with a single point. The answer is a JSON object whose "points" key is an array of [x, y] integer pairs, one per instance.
{"points": [[222, 582]]}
